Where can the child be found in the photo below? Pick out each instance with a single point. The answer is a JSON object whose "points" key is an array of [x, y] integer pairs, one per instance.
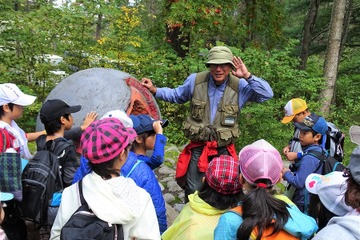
{"points": [[295, 111], [221, 191], [12, 103], [84, 168], [139, 166], [150, 137], [312, 130], [113, 198], [260, 170], [330, 189], [137, 169], [56, 116]]}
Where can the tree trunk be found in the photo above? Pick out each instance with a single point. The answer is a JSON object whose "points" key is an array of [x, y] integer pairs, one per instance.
{"points": [[308, 31], [98, 27], [332, 55], [347, 18]]}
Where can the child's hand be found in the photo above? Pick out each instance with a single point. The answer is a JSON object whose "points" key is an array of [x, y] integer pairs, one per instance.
{"points": [[284, 170], [286, 149], [291, 156], [90, 117], [157, 127]]}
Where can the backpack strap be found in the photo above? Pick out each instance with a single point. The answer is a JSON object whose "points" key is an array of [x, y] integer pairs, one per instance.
{"points": [[82, 199], [60, 146], [318, 155], [134, 166], [4, 139], [56, 147]]}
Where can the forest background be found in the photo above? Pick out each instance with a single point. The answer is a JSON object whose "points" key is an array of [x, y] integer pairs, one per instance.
{"points": [[307, 49]]}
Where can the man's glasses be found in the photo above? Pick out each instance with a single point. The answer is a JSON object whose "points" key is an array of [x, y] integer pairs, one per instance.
{"points": [[215, 66]]}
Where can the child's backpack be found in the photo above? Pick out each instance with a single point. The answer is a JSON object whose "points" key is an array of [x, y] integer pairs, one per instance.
{"points": [[329, 163], [41, 178], [335, 142], [84, 224]]}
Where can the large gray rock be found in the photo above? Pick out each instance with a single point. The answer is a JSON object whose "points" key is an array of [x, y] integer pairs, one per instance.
{"points": [[95, 89]]}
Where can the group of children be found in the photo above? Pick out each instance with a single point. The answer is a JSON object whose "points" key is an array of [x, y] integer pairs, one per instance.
{"points": [[237, 199]]}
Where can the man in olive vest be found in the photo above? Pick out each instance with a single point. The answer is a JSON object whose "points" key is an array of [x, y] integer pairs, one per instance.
{"points": [[216, 97]]}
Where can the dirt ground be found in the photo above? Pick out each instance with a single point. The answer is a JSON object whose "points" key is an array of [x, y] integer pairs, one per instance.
{"points": [[33, 233]]}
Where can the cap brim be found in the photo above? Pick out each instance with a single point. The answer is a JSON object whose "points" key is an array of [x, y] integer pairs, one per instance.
{"points": [[287, 119], [73, 109], [302, 126], [25, 100], [5, 196], [219, 61], [355, 134]]}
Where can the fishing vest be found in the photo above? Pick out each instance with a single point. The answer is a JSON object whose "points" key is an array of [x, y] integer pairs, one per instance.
{"points": [[225, 128]]}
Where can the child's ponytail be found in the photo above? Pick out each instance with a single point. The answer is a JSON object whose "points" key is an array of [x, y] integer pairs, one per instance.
{"points": [[259, 207]]}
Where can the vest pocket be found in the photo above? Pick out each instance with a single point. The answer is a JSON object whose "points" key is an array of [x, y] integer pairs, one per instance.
{"points": [[224, 137], [197, 109], [229, 115]]}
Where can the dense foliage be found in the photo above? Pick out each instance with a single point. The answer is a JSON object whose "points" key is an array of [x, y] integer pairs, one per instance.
{"points": [[166, 40]]}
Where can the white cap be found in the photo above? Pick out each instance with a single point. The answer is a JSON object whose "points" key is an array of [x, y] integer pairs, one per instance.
{"points": [[331, 189], [121, 115], [10, 93]]}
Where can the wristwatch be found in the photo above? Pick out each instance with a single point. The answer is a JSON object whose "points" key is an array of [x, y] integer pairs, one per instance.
{"points": [[249, 77]]}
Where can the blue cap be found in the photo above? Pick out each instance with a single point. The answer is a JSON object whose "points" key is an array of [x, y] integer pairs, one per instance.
{"points": [[314, 123], [144, 123]]}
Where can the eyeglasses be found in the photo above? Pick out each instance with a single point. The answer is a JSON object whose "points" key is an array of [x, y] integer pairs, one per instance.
{"points": [[215, 66]]}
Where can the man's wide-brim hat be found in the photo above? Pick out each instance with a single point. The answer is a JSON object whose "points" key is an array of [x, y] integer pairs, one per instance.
{"points": [[220, 55]]}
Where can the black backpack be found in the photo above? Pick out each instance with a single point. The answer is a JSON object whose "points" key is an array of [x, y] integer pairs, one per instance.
{"points": [[335, 142], [84, 224], [315, 207], [329, 163], [41, 178]]}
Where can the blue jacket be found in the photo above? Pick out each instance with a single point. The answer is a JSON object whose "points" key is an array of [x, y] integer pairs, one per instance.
{"points": [[308, 164], [143, 176]]}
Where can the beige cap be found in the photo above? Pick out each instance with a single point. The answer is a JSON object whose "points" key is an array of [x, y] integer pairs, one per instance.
{"points": [[220, 55]]}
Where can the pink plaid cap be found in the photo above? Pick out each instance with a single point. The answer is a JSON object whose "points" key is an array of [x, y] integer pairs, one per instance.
{"points": [[105, 139], [260, 160], [222, 175]]}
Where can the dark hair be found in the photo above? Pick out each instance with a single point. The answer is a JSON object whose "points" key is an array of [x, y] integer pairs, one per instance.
{"points": [[143, 136], [314, 133], [54, 126], [352, 194], [218, 200], [259, 207], [318, 211], [105, 169], [11, 107]]}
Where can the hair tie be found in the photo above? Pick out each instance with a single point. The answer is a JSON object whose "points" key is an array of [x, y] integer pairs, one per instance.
{"points": [[262, 185]]}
